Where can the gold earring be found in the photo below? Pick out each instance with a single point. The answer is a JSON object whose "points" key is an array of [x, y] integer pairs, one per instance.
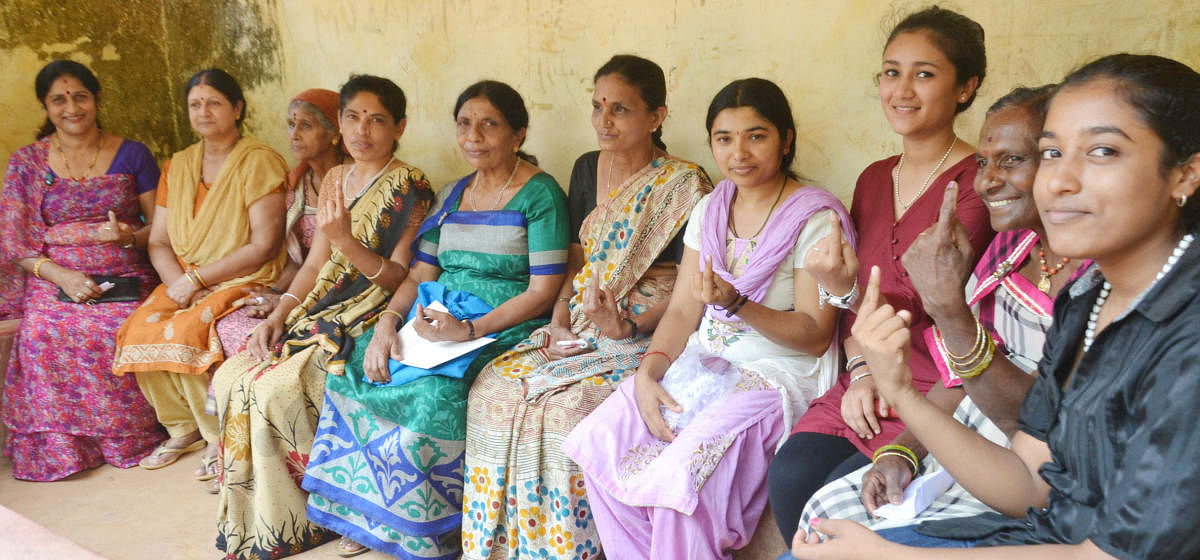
{"points": [[333, 142]]}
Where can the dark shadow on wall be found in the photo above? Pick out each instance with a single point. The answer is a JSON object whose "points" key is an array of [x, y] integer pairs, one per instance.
{"points": [[143, 51]]}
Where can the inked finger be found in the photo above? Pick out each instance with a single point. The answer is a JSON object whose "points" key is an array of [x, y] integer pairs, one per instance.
{"points": [[871, 296], [946, 214]]}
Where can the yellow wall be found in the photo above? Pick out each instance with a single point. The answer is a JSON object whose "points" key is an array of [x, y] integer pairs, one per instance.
{"points": [[822, 52]]}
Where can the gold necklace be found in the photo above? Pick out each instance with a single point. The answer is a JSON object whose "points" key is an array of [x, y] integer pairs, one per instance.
{"points": [[778, 196], [67, 162], [500, 195], [928, 178]]}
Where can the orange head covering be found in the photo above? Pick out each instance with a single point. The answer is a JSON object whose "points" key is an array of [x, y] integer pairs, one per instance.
{"points": [[324, 100]]}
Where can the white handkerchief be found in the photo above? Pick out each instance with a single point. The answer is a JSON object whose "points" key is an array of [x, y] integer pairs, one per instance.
{"points": [[919, 494]]}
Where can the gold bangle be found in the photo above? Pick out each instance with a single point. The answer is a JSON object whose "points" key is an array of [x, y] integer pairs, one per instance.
{"points": [[382, 263], [894, 447], [192, 279], [911, 464], [392, 312], [976, 348], [984, 362], [199, 278], [563, 300], [37, 267]]}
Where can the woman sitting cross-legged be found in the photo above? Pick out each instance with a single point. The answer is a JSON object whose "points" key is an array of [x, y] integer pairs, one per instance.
{"points": [[675, 461], [269, 396], [628, 204], [386, 469]]}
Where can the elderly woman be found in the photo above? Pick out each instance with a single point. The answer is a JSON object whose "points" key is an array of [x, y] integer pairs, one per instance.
{"points": [[493, 253], [526, 401], [315, 141], [269, 395], [676, 460], [218, 228], [1010, 294], [71, 216]]}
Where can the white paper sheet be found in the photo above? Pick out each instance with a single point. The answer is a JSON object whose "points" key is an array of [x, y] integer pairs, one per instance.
{"points": [[425, 354], [919, 494]]}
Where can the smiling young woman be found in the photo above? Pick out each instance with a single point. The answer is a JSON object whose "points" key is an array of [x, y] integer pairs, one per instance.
{"points": [[932, 64]]}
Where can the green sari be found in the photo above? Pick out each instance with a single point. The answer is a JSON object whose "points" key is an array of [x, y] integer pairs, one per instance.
{"points": [[387, 464]]}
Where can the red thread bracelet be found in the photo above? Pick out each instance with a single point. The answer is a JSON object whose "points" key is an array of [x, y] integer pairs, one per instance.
{"points": [[663, 354]]}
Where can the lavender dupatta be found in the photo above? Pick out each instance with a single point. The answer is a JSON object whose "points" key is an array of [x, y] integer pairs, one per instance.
{"points": [[776, 241]]}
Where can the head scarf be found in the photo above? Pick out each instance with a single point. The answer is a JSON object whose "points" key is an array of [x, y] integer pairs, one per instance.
{"points": [[328, 103]]}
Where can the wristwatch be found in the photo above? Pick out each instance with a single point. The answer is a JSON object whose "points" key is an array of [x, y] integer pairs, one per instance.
{"points": [[841, 302]]}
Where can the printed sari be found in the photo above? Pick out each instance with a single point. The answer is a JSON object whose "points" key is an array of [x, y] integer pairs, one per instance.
{"points": [[387, 467], [523, 496], [268, 410]]}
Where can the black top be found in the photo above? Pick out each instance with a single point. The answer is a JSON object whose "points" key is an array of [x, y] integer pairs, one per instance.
{"points": [[1125, 447], [581, 200]]}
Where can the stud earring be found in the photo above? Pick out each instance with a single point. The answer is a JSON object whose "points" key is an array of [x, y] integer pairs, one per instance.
{"points": [[1182, 200]]}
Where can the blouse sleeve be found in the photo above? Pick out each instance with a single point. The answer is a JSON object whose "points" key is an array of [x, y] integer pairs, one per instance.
{"points": [[143, 167], [546, 224], [1149, 508], [22, 228], [160, 195], [583, 182], [691, 232]]}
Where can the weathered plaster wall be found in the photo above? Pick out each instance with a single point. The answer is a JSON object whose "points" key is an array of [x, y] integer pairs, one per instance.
{"points": [[823, 53], [143, 51]]}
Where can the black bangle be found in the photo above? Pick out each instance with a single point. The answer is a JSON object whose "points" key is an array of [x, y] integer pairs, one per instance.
{"points": [[633, 324], [856, 365], [276, 290], [470, 329], [730, 312]]}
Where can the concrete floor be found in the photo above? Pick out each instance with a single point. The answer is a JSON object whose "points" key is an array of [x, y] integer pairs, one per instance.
{"points": [[130, 514], [136, 514]]}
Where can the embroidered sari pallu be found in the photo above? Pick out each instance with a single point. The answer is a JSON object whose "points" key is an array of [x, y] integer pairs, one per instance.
{"points": [[387, 466], [523, 496], [268, 410]]}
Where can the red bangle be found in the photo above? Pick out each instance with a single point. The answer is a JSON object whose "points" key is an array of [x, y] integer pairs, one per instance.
{"points": [[663, 354]]}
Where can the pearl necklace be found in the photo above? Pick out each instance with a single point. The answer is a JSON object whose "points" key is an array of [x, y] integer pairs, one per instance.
{"points": [[1089, 335], [928, 178]]}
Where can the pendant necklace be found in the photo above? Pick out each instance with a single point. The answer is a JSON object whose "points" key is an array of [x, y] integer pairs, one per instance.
{"points": [[67, 163], [500, 195]]}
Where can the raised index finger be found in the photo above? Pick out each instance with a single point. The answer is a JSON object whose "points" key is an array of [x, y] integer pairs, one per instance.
{"points": [[946, 215], [871, 296]]}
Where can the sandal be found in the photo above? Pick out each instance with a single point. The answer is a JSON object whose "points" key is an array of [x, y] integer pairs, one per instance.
{"points": [[212, 485], [347, 547], [208, 468], [163, 455]]}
